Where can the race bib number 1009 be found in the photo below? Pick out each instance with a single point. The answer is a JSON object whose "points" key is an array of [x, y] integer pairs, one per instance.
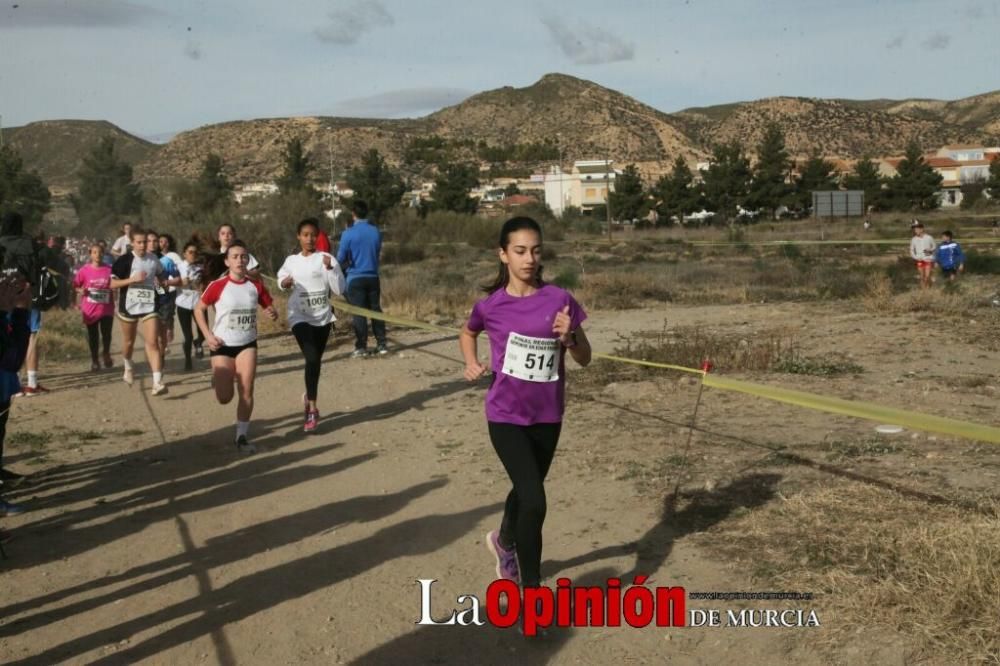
{"points": [[315, 301], [532, 359]]}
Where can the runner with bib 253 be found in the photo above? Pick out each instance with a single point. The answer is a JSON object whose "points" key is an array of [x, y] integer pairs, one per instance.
{"points": [[530, 325]]}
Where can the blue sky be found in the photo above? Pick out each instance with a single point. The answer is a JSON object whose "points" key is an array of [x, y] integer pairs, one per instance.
{"points": [[158, 67]]}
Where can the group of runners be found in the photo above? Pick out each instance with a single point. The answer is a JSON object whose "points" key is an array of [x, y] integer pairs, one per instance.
{"points": [[531, 326]]}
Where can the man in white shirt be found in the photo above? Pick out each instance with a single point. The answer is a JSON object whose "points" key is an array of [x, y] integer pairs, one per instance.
{"points": [[922, 248]]}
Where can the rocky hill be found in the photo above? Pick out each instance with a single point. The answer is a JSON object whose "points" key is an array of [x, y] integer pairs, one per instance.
{"points": [[583, 119], [587, 120], [252, 149], [844, 128], [56, 148]]}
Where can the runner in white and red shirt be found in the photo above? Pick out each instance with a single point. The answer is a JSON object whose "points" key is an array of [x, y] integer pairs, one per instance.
{"points": [[312, 276], [233, 338]]}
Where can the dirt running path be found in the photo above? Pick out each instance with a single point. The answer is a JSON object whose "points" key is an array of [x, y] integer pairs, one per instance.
{"points": [[150, 539]]}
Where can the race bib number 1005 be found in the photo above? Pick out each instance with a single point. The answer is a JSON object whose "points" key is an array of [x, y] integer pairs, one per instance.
{"points": [[532, 359]]}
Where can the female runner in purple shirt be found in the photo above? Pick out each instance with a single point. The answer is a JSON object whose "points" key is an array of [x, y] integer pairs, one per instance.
{"points": [[530, 325]]}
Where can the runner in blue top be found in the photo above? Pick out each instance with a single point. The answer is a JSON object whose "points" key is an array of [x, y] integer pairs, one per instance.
{"points": [[358, 255]]}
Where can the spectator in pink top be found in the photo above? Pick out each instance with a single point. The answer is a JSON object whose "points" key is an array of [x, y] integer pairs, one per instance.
{"points": [[93, 281]]}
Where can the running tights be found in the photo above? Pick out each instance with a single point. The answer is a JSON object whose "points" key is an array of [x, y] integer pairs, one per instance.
{"points": [[100, 327], [526, 453], [312, 342], [186, 317]]}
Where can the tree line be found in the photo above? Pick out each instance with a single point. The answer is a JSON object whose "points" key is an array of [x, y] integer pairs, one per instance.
{"points": [[731, 184]]}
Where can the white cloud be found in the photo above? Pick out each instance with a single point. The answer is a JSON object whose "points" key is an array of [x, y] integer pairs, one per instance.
{"points": [[404, 102], [349, 23], [936, 42], [588, 44], [84, 14]]}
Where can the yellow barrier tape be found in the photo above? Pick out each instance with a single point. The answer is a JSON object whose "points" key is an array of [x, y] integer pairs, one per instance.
{"points": [[869, 411], [399, 321], [862, 410], [648, 364], [763, 243]]}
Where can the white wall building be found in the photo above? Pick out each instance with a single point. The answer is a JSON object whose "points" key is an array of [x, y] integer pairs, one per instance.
{"points": [[585, 186]]}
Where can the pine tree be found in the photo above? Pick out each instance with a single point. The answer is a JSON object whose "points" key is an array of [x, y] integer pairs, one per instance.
{"points": [[676, 194], [296, 169], [727, 180], [993, 182], [865, 176], [376, 184], [452, 186], [21, 191], [107, 191], [817, 175], [769, 187], [214, 187], [915, 185], [628, 200]]}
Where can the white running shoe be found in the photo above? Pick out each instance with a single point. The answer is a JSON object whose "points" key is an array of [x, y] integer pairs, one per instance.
{"points": [[159, 389], [127, 376]]}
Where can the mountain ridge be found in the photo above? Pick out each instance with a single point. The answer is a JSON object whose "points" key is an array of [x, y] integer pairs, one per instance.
{"points": [[582, 118]]}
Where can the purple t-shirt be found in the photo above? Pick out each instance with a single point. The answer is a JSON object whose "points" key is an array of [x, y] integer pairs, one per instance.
{"points": [[512, 399]]}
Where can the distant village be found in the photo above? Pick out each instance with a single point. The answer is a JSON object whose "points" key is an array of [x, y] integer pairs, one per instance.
{"points": [[585, 185]]}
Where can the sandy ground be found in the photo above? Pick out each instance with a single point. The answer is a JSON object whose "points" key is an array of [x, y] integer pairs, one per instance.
{"points": [[149, 539]]}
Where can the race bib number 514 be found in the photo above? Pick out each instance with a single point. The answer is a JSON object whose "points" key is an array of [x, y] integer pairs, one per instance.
{"points": [[532, 359]]}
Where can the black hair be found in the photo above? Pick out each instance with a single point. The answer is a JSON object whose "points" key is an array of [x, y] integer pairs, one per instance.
{"points": [[948, 234], [171, 243], [214, 265], [360, 209], [309, 221], [520, 223]]}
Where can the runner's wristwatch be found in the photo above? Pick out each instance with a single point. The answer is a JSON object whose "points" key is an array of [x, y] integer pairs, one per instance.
{"points": [[572, 340]]}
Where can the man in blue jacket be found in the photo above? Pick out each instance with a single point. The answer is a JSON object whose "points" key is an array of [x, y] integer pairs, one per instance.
{"points": [[358, 254], [949, 256]]}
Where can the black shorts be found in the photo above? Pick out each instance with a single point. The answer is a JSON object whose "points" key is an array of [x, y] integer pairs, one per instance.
{"points": [[948, 272], [166, 306], [233, 352]]}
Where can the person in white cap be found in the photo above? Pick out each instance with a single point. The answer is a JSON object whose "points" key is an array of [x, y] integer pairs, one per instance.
{"points": [[922, 248]]}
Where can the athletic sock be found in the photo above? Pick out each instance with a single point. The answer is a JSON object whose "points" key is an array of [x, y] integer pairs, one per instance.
{"points": [[241, 428], [157, 378], [33, 378], [128, 363]]}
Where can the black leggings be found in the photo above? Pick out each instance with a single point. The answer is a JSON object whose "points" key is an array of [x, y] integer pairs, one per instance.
{"points": [[312, 342], [186, 318], [526, 453], [104, 324]]}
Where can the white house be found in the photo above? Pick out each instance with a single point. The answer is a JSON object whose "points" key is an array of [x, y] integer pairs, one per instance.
{"points": [[585, 187]]}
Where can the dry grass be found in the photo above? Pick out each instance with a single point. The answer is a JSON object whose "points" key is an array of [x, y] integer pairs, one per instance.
{"points": [[929, 572]]}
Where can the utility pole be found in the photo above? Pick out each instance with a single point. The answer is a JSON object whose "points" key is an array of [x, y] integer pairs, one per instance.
{"points": [[333, 197], [607, 194], [562, 198]]}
